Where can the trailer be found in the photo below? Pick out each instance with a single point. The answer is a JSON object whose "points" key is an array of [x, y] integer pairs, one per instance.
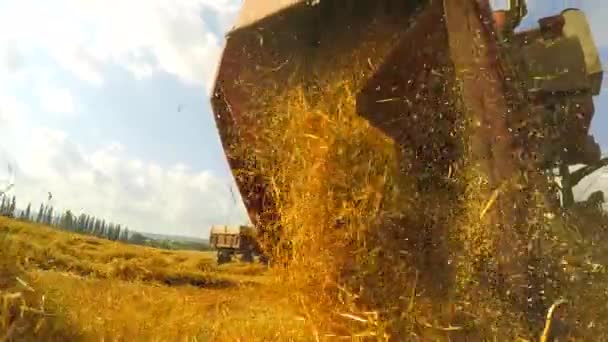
{"points": [[231, 241]]}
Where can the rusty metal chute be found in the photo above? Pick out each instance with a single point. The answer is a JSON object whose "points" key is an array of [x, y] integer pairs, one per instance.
{"points": [[443, 62], [269, 42]]}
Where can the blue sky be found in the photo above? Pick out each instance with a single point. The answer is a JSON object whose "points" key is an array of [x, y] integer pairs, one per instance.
{"points": [[89, 91]]}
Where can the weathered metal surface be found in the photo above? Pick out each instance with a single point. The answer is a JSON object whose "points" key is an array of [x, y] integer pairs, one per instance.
{"points": [[238, 239], [224, 237], [447, 66], [224, 230], [560, 57], [556, 66], [265, 53], [494, 148], [449, 40], [577, 26], [560, 66]]}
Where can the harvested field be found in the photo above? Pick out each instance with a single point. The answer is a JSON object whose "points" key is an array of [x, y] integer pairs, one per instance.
{"points": [[79, 288]]}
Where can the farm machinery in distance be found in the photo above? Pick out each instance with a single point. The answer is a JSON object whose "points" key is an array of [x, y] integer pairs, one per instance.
{"points": [[230, 241]]}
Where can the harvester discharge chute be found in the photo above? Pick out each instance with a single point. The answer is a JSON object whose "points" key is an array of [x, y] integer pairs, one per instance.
{"points": [[413, 53], [425, 102]]}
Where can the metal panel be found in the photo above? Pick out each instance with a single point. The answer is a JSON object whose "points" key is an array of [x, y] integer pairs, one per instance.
{"points": [[556, 66], [577, 26]]}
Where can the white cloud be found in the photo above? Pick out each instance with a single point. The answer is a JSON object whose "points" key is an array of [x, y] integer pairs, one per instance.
{"points": [[11, 58], [14, 120], [56, 100], [12, 111], [83, 36], [110, 184]]}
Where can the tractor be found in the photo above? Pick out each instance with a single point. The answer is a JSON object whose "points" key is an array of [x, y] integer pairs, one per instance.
{"points": [[230, 241]]}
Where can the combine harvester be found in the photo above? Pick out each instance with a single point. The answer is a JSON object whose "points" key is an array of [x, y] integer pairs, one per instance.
{"points": [[440, 79], [557, 64]]}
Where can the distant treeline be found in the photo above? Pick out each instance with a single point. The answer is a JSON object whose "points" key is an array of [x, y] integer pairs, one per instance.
{"points": [[89, 225], [83, 223]]}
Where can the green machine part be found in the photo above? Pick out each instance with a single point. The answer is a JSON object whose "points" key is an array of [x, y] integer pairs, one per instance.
{"points": [[561, 71]]}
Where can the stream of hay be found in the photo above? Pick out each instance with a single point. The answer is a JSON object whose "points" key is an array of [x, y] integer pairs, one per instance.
{"points": [[381, 245], [367, 243]]}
